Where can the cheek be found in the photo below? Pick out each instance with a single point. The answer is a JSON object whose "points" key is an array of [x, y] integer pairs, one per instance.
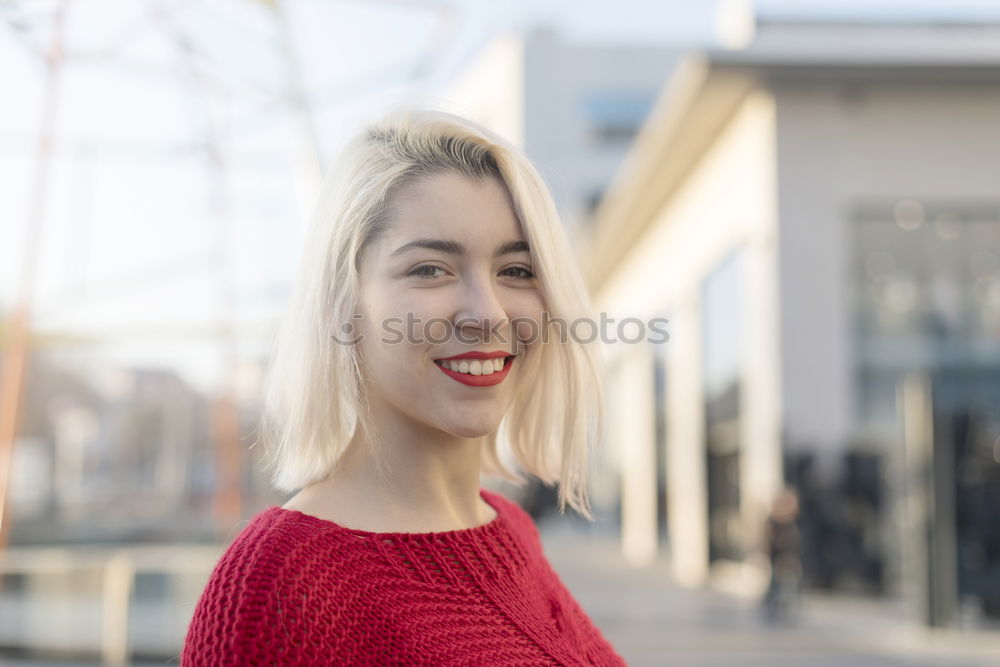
{"points": [[384, 315], [426, 317], [393, 366], [383, 336], [527, 314]]}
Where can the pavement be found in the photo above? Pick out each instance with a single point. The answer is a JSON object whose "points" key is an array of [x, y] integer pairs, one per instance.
{"points": [[652, 621]]}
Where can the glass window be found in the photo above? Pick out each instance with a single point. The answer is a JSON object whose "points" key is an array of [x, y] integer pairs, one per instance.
{"points": [[926, 296], [722, 325], [616, 117]]}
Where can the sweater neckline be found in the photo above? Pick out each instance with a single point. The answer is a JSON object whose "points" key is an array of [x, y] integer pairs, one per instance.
{"points": [[487, 496]]}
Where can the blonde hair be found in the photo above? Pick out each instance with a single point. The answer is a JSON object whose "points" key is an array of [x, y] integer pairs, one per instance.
{"points": [[313, 395]]}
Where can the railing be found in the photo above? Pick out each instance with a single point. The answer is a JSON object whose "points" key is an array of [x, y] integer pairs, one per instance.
{"points": [[93, 589]]}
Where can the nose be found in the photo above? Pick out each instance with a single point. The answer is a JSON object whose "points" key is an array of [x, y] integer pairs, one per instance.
{"points": [[481, 315]]}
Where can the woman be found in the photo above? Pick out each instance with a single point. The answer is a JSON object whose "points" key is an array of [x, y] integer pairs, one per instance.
{"points": [[414, 348]]}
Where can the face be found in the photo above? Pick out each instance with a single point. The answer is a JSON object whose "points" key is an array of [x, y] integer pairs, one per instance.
{"points": [[448, 300]]}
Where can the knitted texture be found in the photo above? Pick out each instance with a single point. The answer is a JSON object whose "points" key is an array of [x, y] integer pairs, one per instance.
{"points": [[293, 589]]}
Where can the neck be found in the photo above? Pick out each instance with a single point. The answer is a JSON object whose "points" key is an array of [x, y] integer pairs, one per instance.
{"points": [[414, 484]]}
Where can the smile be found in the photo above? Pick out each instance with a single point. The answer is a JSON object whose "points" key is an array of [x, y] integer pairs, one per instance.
{"points": [[477, 372]]}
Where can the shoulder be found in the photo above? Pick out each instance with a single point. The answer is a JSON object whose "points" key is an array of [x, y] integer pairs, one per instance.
{"points": [[277, 546], [265, 592], [504, 504], [515, 515]]}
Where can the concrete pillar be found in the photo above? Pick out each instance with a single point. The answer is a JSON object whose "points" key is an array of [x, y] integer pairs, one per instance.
{"points": [[638, 438], [686, 484]]}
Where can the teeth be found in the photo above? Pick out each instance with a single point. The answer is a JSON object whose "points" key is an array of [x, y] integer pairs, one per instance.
{"points": [[475, 367]]}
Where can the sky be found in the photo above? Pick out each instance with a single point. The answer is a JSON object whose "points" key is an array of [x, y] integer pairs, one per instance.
{"points": [[147, 245]]}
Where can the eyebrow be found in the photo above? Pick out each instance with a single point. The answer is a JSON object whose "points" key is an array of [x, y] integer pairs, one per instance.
{"points": [[456, 248]]}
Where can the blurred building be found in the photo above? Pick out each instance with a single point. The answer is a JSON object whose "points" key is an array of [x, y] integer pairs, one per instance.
{"points": [[817, 215], [574, 108], [123, 455]]}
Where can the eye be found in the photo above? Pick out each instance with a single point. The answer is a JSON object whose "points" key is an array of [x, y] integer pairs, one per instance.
{"points": [[526, 274], [422, 271]]}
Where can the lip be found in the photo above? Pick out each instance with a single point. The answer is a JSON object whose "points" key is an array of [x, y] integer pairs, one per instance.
{"points": [[478, 355], [479, 380]]}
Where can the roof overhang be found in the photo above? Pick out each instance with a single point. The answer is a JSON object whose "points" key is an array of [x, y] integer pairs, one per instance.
{"points": [[697, 102], [701, 96]]}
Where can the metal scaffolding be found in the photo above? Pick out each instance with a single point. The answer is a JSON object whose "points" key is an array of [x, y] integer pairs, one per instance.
{"points": [[203, 84]]}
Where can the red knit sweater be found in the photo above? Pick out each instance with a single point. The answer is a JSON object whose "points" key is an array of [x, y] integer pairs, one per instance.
{"points": [[293, 589]]}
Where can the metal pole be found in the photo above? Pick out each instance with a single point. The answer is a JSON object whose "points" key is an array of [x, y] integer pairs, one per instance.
{"points": [[305, 162], [930, 584], [943, 545], [914, 406], [228, 498], [118, 579], [16, 346]]}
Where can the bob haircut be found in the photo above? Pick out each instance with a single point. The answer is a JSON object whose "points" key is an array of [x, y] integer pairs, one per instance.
{"points": [[314, 396]]}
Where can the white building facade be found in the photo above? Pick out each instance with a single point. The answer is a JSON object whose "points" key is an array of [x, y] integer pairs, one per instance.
{"points": [[817, 216]]}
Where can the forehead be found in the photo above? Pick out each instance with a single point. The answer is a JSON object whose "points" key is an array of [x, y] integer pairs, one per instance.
{"points": [[474, 210]]}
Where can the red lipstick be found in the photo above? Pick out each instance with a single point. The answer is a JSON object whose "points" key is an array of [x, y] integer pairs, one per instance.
{"points": [[478, 355], [493, 378]]}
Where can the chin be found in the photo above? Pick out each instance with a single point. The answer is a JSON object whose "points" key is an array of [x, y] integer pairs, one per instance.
{"points": [[473, 428], [469, 421]]}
